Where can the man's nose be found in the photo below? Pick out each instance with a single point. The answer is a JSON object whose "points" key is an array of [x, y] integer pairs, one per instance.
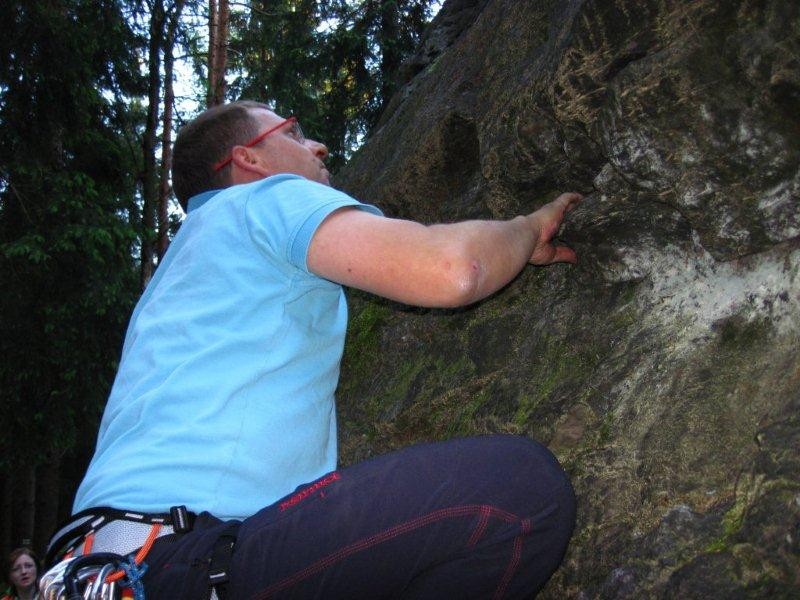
{"points": [[319, 149]]}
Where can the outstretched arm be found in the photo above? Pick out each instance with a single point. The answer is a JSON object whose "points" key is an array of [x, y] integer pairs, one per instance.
{"points": [[435, 265]]}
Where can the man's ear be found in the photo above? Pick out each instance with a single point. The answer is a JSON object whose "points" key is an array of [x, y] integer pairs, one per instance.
{"points": [[248, 165]]}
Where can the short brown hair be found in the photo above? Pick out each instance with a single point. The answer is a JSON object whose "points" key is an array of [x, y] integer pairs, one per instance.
{"points": [[206, 140]]}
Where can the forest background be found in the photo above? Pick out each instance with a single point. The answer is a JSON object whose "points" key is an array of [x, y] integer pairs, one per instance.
{"points": [[91, 94]]}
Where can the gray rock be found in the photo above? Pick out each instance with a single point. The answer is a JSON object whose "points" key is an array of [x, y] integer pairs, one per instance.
{"points": [[663, 369]]}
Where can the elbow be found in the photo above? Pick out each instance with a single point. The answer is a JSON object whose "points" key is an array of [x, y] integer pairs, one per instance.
{"points": [[463, 282]]}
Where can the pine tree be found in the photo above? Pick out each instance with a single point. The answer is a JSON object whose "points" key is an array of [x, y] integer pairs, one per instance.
{"points": [[332, 63], [69, 155]]}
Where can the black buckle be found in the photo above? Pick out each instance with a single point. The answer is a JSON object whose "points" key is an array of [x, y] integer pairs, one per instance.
{"points": [[221, 559], [182, 519]]}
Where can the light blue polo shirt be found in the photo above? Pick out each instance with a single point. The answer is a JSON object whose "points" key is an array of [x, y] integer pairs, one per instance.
{"points": [[224, 396]]}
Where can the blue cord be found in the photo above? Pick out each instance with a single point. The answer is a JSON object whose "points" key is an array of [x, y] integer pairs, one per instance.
{"points": [[134, 574]]}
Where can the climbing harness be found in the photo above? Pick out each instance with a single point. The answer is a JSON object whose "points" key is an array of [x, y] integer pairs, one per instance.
{"points": [[102, 551], [112, 530], [98, 575], [89, 577], [99, 556]]}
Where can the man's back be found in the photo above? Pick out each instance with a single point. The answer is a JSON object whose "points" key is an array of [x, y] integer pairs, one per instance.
{"points": [[224, 396]]}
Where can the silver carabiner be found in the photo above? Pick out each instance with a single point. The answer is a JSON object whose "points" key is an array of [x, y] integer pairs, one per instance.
{"points": [[87, 582], [109, 591], [54, 590], [51, 585], [86, 576], [99, 588]]}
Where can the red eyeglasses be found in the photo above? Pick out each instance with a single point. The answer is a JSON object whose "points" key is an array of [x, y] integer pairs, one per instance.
{"points": [[295, 131]]}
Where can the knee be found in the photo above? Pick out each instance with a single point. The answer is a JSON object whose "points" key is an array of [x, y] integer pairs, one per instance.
{"points": [[541, 495], [512, 470], [538, 473], [554, 494], [530, 457]]}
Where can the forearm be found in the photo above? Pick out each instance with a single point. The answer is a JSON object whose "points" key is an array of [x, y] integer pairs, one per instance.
{"points": [[424, 265], [435, 265]]}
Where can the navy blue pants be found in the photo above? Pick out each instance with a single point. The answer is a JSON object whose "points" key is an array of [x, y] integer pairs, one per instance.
{"points": [[485, 517]]}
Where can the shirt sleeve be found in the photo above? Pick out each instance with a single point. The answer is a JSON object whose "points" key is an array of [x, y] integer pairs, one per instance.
{"points": [[284, 211]]}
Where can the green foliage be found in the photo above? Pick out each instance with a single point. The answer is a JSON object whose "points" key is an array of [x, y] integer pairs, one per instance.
{"points": [[332, 63], [69, 157]]}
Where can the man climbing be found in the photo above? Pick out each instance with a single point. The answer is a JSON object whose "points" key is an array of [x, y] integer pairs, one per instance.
{"points": [[224, 399]]}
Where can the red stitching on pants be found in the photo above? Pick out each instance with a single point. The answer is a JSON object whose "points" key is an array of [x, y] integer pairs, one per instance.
{"points": [[516, 555], [484, 521], [391, 533]]}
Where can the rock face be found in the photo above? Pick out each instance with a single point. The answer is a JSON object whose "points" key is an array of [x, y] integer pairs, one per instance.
{"points": [[664, 368]]}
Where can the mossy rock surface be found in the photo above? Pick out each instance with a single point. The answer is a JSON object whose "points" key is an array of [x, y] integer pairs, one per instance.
{"points": [[663, 369]]}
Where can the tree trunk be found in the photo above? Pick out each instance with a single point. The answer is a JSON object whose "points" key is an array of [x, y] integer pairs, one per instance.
{"points": [[149, 183], [213, 29], [23, 490], [166, 129], [6, 514], [48, 490], [218, 19], [390, 50]]}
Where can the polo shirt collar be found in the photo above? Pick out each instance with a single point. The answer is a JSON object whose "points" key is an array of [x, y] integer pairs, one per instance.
{"points": [[199, 200]]}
